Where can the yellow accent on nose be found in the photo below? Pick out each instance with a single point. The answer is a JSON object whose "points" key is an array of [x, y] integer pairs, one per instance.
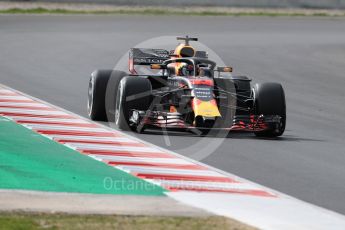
{"points": [[205, 109]]}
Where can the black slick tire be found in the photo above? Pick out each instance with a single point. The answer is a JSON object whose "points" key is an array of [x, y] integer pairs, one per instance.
{"points": [[269, 99], [133, 93], [102, 94]]}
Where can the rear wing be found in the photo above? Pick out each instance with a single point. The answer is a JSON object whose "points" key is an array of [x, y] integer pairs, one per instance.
{"points": [[143, 56], [201, 54], [198, 54]]}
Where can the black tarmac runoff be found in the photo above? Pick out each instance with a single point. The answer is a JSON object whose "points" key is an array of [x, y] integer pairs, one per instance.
{"points": [[51, 58]]}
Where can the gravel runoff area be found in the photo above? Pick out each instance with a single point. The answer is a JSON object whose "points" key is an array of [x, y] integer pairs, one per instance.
{"points": [[80, 8], [80, 203], [50, 210]]}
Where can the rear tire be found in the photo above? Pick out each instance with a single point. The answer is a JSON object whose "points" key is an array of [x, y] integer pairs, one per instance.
{"points": [[132, 93], [101, 94], [269, 99]]}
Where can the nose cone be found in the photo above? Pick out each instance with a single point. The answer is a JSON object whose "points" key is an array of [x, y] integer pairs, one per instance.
{"points": [[205, 108], [204, 103]]}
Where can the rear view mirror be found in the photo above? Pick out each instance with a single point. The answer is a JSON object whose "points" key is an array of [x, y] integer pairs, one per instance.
{"points": [[158, 66], [226, 69]]}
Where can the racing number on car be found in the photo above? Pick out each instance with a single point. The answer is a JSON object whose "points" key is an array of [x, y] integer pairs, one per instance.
{"points": [[203, 92]]}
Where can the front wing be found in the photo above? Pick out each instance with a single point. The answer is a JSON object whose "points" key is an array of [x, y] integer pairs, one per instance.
{"points": [[167, 120]]}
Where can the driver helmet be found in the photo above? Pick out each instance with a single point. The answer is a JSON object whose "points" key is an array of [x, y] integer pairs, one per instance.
{"points": [[204, 72], [185, 70]]}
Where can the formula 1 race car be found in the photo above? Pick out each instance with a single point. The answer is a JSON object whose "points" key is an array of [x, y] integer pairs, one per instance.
{"points": [[189, 92]]}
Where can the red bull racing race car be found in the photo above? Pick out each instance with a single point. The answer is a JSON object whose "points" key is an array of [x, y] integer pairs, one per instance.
{"points": [[190, 92]]}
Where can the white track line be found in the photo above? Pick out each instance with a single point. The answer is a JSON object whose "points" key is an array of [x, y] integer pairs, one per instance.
{"points": [[32, 104], [119, 149], [208, 184], [169, 171], [85, 138], [35, 112], [62, 127], [82, 146], [16, 98], [143, 159], [43, 119]]}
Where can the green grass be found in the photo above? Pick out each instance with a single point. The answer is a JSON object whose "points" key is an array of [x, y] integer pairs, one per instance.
{"points": [[162, 11], [30, 161], [33, 221]]}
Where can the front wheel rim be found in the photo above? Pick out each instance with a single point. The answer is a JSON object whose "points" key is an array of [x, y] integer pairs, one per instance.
{"points": [[90, 96], [118, 103]]}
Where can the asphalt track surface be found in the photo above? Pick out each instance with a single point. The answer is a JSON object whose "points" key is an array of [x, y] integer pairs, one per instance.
{"points": [[51, 57]]}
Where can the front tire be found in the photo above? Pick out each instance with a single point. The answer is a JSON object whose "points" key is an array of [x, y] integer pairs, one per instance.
{"points": [[101, 94], [269, 99], [133, 93]]}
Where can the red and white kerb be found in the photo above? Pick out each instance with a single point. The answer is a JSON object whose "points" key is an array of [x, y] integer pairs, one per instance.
{"points": [[171, 171]]}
